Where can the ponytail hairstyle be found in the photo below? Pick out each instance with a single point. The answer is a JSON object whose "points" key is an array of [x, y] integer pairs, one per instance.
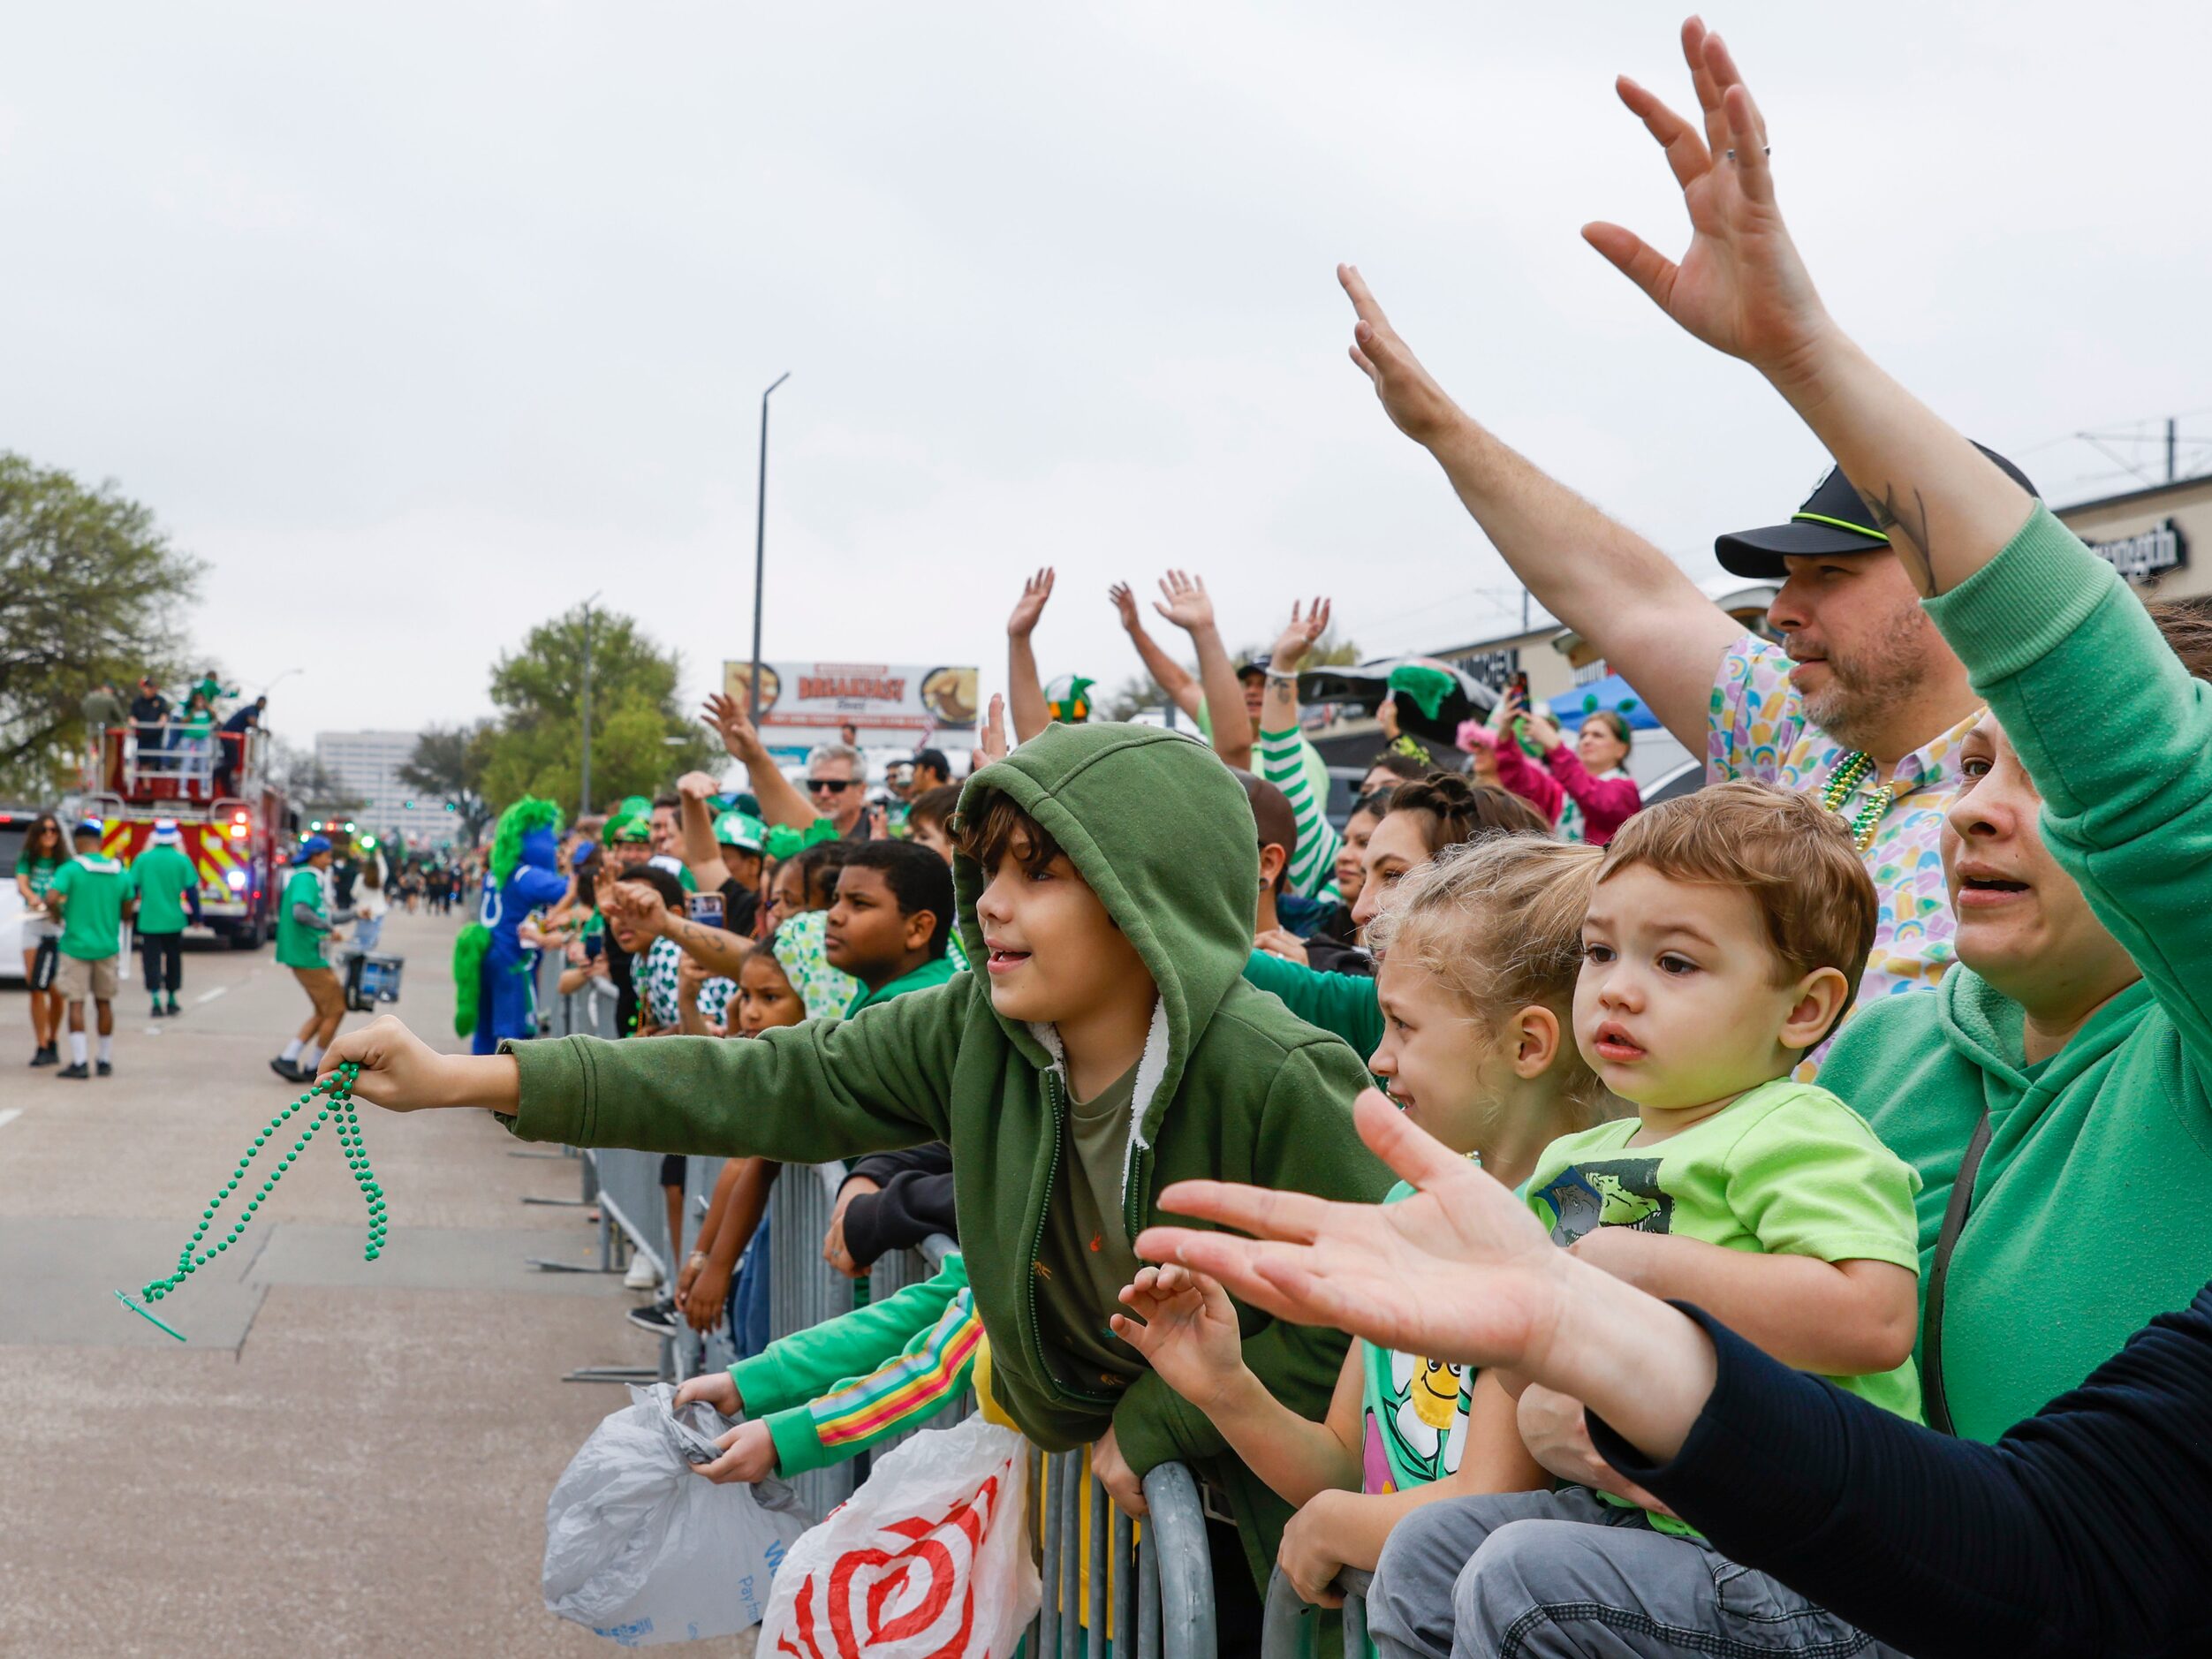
{"points": [[1497, 925], [1455, 810]]}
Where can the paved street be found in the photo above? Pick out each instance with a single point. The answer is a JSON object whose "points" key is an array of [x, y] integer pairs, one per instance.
{"points": [[346, 1457]]}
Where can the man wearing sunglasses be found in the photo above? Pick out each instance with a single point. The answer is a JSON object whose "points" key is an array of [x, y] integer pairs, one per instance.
{"points": [[837, 786]]}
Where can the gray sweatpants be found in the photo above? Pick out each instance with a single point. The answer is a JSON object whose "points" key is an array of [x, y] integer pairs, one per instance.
{"points": [[1546, 1575]]}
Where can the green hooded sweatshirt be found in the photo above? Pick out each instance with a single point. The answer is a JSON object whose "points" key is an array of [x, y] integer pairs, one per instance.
{"points": [[1230, 1087], [2093, 1208]]}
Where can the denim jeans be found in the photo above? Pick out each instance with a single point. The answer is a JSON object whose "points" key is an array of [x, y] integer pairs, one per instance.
{"points": [[1546, 1575]]}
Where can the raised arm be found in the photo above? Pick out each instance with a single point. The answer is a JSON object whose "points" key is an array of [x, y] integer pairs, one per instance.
{"points": [[702, 852], [780, 803], [1024, 691], [1185, 603], [1742, 289], [1282, 756], [1168, 674], [1599, 578]]}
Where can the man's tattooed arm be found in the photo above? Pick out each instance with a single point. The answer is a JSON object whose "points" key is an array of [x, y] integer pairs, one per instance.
{"points": [[1906, 524]]}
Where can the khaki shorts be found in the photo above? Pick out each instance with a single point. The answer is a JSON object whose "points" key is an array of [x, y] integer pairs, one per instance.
{"points": [[75, 979]]}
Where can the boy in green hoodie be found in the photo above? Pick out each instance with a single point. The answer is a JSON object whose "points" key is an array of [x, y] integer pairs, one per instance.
{"points": [[1106, 877]]}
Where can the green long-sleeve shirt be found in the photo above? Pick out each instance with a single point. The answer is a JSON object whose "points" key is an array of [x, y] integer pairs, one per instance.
{"points": [[830, 1392], [2092, 1208]]}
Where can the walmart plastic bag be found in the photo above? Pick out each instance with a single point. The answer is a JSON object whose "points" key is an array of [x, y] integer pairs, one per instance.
{"points": [[642, 1551], [928, 1560]]}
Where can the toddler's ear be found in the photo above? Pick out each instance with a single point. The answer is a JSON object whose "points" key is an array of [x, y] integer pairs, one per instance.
{"points": [[1822, 997], [1536, 1037]]}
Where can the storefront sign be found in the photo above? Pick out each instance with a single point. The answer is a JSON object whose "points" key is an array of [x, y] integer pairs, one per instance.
{"points": [[806, 702], [2147, 553], [1492, 668]]}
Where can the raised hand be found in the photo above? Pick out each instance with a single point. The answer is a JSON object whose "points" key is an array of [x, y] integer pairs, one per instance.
{"points": [[1184, 602], [994, 746], [1459, 1270], [1030, 606], [1187, 1329], [1740, 287], [1417, 405], [698, 785], [739, 737], [1299, 634], [1125, 604]]}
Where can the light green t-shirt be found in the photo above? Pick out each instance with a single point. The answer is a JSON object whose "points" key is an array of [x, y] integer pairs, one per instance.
{"points": [[299, 945], [93, 890], [1084, 1257], [1413, 1412], [1787, 1169], [161, 876]]}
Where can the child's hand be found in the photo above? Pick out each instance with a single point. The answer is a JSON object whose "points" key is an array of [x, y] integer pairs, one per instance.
{"points": [[748, 1455], [1310, 1556], [708, 1295], [1557, 1432], [1111, 1470], [402, 1074], [1189, 1331], [718, 1388], [1627, 1255]]}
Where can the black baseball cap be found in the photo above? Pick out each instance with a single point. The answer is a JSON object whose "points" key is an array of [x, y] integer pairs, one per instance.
{"points": [[1834, 519], [932, 757]]}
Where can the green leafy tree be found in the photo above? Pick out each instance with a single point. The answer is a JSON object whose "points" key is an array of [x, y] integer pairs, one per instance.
{"points": [[448, 764], [642, 739], [90, 590]]}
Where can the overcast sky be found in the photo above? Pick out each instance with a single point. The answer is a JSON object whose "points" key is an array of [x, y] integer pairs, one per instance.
{"points": [[418, 324]]}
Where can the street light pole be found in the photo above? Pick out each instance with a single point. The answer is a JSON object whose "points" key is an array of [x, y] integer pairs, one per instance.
{"points": [[583, 808], [760, 548]]}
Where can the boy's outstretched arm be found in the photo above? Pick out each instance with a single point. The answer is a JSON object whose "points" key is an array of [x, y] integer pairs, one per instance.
{"points": [[826, 1089], [1185, 1327], [1837, 1318]]}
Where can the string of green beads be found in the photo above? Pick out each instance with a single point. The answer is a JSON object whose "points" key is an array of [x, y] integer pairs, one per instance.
{"points": [[338, 1090]]}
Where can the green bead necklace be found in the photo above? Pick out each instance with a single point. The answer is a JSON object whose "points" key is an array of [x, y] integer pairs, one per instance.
{"points": [[1849, 772], [197, 1252]]}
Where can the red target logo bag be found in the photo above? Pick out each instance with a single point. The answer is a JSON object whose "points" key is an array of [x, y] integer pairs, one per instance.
{"points": [[928, 1560]]}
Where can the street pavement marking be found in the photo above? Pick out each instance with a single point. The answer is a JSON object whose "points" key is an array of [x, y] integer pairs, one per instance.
{"points": [[209, 997], [10, 1115]]}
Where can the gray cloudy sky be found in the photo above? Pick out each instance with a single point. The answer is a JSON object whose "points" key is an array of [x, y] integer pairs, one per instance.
{"points": [[420, 323]]}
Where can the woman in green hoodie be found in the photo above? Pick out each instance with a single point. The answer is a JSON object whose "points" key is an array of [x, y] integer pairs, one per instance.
{"points": [[1108, 1045]]}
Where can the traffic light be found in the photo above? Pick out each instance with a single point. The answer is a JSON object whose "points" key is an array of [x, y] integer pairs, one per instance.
{"points": [[408, 805], [450, 806]]}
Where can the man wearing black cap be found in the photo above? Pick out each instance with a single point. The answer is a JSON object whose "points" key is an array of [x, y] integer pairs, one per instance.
{"points": [[1862, 702], [931, 770]]}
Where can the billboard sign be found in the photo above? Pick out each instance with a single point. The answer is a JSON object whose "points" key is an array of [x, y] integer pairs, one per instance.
{"points": [[806, 702]]}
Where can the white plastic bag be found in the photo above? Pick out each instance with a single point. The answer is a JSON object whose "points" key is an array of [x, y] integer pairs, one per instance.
{"points": [[642, 1551], [928, 1560]]}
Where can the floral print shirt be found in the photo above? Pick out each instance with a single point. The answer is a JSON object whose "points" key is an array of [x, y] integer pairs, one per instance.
{"points": [[1757, 729], [653, 974]]}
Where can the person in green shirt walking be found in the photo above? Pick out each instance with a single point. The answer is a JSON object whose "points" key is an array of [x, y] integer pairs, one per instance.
{"points": [[167, 890], [306, 918], [91, 894], [45, 850]]}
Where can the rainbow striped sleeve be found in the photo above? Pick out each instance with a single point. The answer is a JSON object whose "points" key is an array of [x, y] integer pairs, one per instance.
{"points": [[930, 1374]]}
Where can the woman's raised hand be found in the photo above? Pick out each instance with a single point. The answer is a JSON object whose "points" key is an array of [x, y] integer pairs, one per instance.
{"points": [[1740, 287]]}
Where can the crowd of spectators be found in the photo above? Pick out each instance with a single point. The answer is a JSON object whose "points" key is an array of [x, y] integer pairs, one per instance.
{"points": [[1747, 1248]]}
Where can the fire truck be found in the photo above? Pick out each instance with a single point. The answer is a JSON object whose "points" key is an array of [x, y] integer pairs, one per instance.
{"points": [[232, 819]]}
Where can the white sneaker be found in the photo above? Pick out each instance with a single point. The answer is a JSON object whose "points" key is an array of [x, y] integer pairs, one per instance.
{"points": [[641, 1276]]}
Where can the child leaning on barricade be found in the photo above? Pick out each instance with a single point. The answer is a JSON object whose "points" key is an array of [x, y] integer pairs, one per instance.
{"points": [[1480, 951], [1108, 881], [1724, 939]]}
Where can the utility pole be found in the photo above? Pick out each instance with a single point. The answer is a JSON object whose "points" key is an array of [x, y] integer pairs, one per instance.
{"points": [[583, 808], [2169, 449], [760, 549]]}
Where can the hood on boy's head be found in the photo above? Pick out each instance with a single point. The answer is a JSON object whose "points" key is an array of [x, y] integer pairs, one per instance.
{"points": [[1162, 831]]}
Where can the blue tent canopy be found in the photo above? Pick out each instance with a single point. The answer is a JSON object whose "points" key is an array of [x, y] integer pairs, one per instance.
{"points": [[1571, 707]]}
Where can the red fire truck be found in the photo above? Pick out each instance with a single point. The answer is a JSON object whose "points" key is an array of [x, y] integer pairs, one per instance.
{"points": [[232, 818]]}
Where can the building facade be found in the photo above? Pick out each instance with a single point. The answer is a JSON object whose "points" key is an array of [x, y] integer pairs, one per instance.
{"points": [[367, 764], [2155, 537]]}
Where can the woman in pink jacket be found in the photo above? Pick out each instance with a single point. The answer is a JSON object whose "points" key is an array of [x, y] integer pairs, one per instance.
{"points": [[1584, 791]]}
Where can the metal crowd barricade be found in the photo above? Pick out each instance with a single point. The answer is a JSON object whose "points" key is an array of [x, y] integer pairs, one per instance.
{"points": [[1158, 1580], [1292, 1627]]}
